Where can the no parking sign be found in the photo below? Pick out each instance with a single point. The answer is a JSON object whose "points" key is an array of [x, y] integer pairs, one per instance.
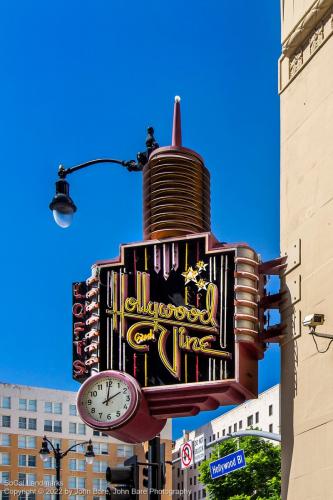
{"points": [[186, 455]]}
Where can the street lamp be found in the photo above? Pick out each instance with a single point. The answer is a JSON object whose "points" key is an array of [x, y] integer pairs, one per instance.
{"points": [[59, 455], [62, 205]]}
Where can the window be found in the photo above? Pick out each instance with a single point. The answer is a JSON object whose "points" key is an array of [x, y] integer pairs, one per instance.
{"points": [[223, 432], [53, 425], [213, 437], [96, 433], [49, 497], [218, 435], [190, 481], [270, 410], [270, 427], [79, 465], [195, 480], [124, 451], [5, 420], [27, 461], [4, 439], [27, 496], [257, 417], [26, 479], [49, 463], [72, 428], [81, 429], [22, 423], [203, 493], [52, 407], [4, 495], [240, 425], [99, 484], [5, 402], [27, 423], [77, 428], [72, 410], [49, 480], [235, 427], [100, 448], [99, 466], [4, 477], [76, 482], [229, 429], [27, 442], [4, 458], [28, 404], [77, 497], [250, 420]]}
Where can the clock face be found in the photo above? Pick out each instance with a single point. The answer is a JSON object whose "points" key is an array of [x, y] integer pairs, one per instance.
{"points": [[107, 399]]}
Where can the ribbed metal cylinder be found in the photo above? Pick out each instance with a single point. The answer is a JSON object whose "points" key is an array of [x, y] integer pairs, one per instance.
{"points": [[176, 194]]}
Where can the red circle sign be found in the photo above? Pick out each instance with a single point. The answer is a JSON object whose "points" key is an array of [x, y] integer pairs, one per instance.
{"points": [[187, 455]]}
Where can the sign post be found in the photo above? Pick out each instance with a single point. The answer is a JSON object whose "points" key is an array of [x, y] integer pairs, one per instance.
{"points": [[227, 464], [186, 455]]}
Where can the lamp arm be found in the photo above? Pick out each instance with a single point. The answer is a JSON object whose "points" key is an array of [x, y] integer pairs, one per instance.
{"points": [[131, 165], [73, 448]]}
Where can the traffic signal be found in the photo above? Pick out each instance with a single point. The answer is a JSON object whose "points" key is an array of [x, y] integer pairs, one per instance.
{"points": [[123, 481], [145, 473]]}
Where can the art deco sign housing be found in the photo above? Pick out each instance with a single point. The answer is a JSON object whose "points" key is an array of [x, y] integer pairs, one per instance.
{"points": [[179, 311]]}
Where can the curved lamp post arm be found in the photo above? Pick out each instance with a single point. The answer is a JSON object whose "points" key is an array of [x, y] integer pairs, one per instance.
{"points": [[63, 454], [131, 165], [62, 204], [250, 432]]}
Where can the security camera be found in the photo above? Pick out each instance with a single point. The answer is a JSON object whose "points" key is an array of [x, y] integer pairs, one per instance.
{"points": [[313, 320]]}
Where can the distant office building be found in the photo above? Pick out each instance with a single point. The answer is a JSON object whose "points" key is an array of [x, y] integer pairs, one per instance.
{"points": [[29, 413], [262, 413]]}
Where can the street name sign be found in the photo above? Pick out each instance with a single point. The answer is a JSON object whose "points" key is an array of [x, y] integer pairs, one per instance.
{"points": [[186, 455], [227, 464], [199, 448]]}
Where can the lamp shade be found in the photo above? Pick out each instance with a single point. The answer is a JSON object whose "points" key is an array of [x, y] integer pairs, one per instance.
{"points": [[62, 204]]}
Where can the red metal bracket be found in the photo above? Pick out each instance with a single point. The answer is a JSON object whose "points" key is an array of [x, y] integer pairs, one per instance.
{"points": [[274, 266]]}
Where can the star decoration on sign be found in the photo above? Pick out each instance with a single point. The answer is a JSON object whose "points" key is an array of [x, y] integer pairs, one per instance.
{"points": [[201, 266], [190, 275], [202, 284]]}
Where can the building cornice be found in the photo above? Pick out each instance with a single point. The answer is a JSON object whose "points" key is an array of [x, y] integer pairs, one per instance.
{"points": [[306, 39], [310, 19]]}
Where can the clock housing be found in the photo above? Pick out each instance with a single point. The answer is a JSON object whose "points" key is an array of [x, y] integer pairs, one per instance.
{"points": [[108, 399]]}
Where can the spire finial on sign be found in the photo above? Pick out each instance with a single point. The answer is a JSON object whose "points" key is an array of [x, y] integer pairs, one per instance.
{"points": [[177, 126]]}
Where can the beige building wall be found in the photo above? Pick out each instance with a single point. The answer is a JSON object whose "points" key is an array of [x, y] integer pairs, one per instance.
{"points": [[306, 88]]}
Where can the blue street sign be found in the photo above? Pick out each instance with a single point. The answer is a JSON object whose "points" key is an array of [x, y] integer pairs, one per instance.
{"points": [[227, 464]]}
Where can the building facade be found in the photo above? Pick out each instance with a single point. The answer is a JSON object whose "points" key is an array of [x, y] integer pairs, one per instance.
{"points": [[306, 96], [29, 413], [262, 413]]}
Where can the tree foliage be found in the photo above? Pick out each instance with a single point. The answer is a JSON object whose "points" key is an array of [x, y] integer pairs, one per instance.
{"points": [[260, 479]]}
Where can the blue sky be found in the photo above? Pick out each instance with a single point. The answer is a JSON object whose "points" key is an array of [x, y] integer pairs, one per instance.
{"points": [[83, 79]]}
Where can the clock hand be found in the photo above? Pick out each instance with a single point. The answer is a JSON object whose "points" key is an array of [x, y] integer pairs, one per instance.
{"points": [[109, 399]]}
